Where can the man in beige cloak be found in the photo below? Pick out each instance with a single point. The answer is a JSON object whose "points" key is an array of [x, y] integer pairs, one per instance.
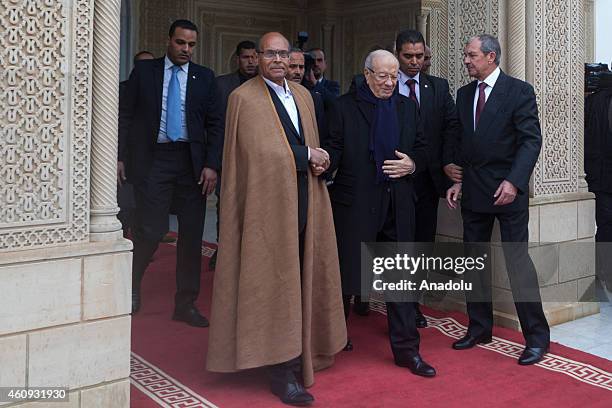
{"points": [[277, 299]]}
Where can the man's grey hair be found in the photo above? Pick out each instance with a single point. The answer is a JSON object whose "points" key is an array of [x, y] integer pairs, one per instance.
{"points": [[489, 43], [296, 50], [369, 61]]}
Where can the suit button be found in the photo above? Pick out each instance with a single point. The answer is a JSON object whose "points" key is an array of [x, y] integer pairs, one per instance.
{"points": [[388, 189]]}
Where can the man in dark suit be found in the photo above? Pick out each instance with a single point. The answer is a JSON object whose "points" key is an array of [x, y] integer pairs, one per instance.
{"points": [[295, 73], [323, 85], [440, 126], [498, 149], [170, 136], [376, 144], [246, 59], [125, 191]]}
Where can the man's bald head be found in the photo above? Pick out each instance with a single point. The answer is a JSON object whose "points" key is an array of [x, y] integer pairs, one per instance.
{"points": [[274, 57], [272, 36]]}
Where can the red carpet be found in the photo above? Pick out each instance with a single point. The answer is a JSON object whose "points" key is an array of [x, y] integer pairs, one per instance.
{"points": [[169, 359]]}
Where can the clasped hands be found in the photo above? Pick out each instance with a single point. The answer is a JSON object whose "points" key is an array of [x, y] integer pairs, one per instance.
{"points": [[319, 160]]}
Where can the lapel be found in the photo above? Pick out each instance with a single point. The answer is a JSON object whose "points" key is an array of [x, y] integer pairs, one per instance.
{"points": [[468, 108], [427, 94], [192, 79], [494, 102], [283, 115], [158, 80]]}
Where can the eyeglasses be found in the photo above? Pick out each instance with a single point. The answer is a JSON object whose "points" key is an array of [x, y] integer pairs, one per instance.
{"points": [[381, 76], [272, 54]]}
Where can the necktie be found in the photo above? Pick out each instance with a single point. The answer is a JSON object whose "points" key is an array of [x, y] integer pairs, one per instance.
{"points": [[173, 107], [481, 101], [412, 85]]}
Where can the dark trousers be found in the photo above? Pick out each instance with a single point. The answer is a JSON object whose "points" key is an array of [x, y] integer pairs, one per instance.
{"points": [[426, 208], [477, 228], [403, 334], [603, 237], [426, 211], [170, 183]]}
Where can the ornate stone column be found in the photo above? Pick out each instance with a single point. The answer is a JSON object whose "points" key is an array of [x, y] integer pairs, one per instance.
{"points": [[516, 41], [104, 225], [327, 41], [422, 25]]}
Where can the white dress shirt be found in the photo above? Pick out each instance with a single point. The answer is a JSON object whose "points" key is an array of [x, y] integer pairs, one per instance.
{"points": [[404, 89], [490, 81], [182, 77], [286, 96]]}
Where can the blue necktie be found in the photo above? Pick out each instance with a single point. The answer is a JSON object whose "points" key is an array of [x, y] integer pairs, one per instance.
{"points": [[174, 126]]}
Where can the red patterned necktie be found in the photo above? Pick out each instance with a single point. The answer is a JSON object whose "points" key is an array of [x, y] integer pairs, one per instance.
{"points": [[412, 85], [481, 101]]}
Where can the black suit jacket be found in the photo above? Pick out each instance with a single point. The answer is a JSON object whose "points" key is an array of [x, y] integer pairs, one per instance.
{"points": [[300, 154], [598, 141], [357, 200], [225, 85], [140, 115], [440, 126], [328, 86], [505, 145]]}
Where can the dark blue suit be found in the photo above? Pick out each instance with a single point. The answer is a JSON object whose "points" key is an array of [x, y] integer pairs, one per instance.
{"points": [[165, 175]]}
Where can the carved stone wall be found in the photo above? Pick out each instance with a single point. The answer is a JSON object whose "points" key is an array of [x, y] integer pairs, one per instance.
{"points": [[437, 35], [366, 26], [589, 29], [45, 122], [556, 45], [467, 18]]}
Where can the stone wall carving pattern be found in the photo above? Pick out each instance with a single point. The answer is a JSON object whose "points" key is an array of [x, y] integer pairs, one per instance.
{"points": [[465, 19], [44, 193], [589, 29], [155, 19], [438, 35], [558, 86]]}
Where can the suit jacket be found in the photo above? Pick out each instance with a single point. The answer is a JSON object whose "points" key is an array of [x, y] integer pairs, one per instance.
{"points": [[300, 155], [598, 141], [504, 146], [357, 200], [225, 85], [328, 86], [140, 114], [440, 126]]}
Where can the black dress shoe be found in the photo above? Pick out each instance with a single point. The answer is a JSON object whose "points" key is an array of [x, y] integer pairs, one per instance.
{"points": [[418, 366], [135, 301], [532, 355], [349, 345], [191, 316], [420, 320], [468, 341], [291, 393]]}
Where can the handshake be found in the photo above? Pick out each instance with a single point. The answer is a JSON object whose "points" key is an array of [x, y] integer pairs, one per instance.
{"points": [[319, 160]]}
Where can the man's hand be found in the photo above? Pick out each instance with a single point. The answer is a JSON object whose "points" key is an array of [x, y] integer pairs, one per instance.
{"points": [[505, 194], [453, 172], [208, 179], [452, 195], [319, 160], [120, 173], [398, 168]]}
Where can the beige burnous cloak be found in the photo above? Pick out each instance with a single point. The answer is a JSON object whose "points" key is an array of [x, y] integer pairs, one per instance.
{"points": [[264, 310]]}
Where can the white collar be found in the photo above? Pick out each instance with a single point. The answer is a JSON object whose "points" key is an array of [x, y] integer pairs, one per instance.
{"points": [[169, 64], [492, 78], [405, 77], [279, 88]]}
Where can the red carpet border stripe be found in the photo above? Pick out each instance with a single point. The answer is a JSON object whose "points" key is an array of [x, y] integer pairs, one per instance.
{"points": [[583, 372], [207, 251], [165, 390]]}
